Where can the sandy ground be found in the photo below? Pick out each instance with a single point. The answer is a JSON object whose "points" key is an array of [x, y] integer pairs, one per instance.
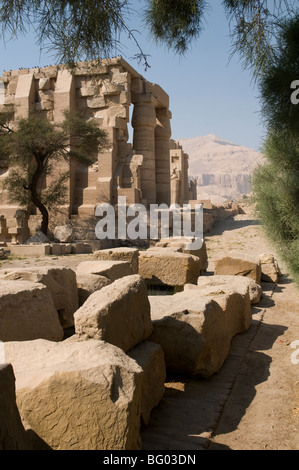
{"points": [[253, 402]]}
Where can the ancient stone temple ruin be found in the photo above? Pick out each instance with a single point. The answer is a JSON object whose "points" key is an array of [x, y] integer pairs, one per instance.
{"points": [[122, 102], [182, 190]]}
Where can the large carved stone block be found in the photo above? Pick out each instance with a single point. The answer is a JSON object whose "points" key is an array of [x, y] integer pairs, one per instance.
{"points": [[195, 331], [118, 314], [27, 312], [61, 283], [164, 267], [78, 395]]}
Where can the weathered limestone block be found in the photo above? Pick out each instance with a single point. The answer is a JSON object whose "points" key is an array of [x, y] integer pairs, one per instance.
{"points": [[30, 250], [89, 89], [78, 395], [172, 249], [115, 113], [270, 268], [120, 254], [168, 268], [38, 238], [181, 244], [46, 95], [87, 284], [77, 248], [111, 269], [233, 298], [63, 233], [56, 249], [120, 76], [118, 314], [44, 84], [227, 283], [61, 283], [27, 312], [150, 357], [202, 255], [111, 88], [96, 102], [195, 332], [238, 264], [44, 105], [12, 432]]}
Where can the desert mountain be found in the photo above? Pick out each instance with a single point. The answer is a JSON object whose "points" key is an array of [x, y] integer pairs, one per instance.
{"points": [[221, 168]]}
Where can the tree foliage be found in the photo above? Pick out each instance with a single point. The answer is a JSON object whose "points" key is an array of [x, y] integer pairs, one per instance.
{"points": [[34, 148], [174, 22], [73, 28], [276, 183], [92, 29], [255, 27]]}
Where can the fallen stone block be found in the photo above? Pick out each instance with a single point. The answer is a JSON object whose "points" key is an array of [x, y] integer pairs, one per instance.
{"points": [[87, 284], [238, 264], [61, 283], [242, 284], [195, 331], [233, 297], [168, 268], [112, 270], [78, 395], [119, 254], [181, 244], [87, 247], [269, 267], [56, 249], [27, 312], [171, 249], [38, 238], [67, 248], [150, 357], [118, 314], [63, 233], [78, 248], [12, 432], [30, 250]]}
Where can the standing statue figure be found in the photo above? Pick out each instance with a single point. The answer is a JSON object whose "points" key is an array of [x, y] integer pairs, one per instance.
{"points": [[22, 232], [175, 186]]}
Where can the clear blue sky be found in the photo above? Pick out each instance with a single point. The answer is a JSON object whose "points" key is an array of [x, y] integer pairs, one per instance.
{"points": [[208, 93]]}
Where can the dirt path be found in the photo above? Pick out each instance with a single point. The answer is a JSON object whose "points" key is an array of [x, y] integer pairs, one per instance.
{"points": [[253, 402]]}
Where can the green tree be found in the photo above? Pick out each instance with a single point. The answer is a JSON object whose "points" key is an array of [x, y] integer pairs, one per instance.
{"points": [[276, 183], [32, 147], [91, 29]]}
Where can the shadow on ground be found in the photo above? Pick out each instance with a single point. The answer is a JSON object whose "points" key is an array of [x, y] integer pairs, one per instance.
{"points": [[188, 415], [231, 224]]}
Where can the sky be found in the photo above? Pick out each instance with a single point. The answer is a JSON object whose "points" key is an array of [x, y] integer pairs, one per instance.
{"points": [[209, 93]]}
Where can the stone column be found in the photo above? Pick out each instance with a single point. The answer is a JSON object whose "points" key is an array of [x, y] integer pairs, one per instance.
{"points": [[25, 96], [175, 187], [107, 163], [162, 154], [144, 123], [65, 99]]}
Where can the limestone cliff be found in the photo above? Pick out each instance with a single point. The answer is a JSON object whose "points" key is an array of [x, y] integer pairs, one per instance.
{"points": [[220, 167]]}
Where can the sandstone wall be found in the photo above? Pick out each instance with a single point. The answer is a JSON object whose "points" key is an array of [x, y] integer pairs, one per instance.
{"points": [[103, 91]]}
